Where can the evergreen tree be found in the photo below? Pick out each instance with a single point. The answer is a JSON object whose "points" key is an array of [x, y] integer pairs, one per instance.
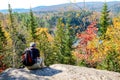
{"points": [[63, 44], [12, 31], [58, 42], [17, 40], [25, 28], [68, 42], [33, 26], [104, 20]]}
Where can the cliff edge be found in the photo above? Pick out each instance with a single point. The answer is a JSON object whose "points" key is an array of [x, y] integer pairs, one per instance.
{"points": [[59, 72]]}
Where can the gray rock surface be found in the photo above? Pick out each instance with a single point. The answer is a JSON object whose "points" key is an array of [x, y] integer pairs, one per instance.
{"points": [[59, 72]]}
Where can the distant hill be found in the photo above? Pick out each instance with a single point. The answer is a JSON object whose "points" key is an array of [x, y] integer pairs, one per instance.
{"points": [[94, 6], [15, 10]]}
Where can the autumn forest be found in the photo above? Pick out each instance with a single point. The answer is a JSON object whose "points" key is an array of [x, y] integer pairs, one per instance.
{"points": [[76, 37]]}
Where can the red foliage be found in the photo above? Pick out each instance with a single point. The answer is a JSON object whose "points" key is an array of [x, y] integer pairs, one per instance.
{"points": [[88, 35], [2, 66]]}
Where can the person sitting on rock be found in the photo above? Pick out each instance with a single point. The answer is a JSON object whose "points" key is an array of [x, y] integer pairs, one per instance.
{"points": [[35, 55]]}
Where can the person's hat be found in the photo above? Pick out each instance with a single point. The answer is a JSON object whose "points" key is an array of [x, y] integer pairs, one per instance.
{"points": [[32, 44]]}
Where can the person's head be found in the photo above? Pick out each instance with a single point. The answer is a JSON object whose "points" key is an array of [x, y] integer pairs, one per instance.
{"points": [[32, 44]]}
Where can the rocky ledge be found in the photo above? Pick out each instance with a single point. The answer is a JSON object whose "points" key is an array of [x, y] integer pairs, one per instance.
{"points": [[59, 72]]}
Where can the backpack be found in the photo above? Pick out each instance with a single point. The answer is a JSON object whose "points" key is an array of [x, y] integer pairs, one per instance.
{"points": [[27, 58]]}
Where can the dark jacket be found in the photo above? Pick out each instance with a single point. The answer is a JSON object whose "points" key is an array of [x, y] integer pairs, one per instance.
{"points": [[35, 52]]}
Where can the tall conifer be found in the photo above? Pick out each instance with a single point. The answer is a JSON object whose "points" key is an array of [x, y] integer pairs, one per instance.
{"points": [[14, 35], [63, 43], [104, 20], [33, 26]]}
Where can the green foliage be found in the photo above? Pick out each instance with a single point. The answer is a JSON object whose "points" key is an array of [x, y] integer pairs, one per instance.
{"points": [[111, 62], [12, 31], [82, 63], [68, 42], [45, 47], [17, 41], [104, 20], [63, 44], [59, 37], [78, 20], [32, 26]]}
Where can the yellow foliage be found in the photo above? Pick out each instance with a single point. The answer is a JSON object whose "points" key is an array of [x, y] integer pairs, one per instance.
{"points": [[7, 35], [96, 49], [92, 44], [116, 23], [111, 42], [40, 30]]}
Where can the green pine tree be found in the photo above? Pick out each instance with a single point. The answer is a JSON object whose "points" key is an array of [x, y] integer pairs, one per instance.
{"points": [[68, 42], [12, 31], [17, 40], [104, 20], [58, 42], [33, 26], [63, 44]]}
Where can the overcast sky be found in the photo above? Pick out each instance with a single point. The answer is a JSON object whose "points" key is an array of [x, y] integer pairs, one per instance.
{"points": [[34, 3]]}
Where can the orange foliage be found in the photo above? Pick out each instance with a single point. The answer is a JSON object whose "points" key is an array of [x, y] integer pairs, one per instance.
{"points": [[89, 34], [83, 52]]}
